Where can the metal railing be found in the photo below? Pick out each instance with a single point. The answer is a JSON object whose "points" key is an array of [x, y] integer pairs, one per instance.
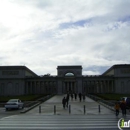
{"points": [[56, 109], [107, 104]]}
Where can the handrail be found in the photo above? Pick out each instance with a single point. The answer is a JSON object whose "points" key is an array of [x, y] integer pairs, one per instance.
{"points": [[106, 103]]}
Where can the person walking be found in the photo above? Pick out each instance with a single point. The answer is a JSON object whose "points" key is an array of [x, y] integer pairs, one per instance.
{"points": [[71, 96], [84, 97], [123, 107], [64, 102], [80, 97], [67, 100], [117, 107], [75, 95]]}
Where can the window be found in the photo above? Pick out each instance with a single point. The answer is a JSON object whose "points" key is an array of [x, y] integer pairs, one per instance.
{"points": [[69, 74]]}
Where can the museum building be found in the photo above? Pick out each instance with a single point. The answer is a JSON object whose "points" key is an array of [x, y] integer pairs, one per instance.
{"points": [[20, 80]]}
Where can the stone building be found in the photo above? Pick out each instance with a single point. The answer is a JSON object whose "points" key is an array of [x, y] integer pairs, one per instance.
{"points": [[20, 80]]}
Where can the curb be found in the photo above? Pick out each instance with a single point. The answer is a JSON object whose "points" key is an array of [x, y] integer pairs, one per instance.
{"points": [[106, 106], [24, 111], [40, 101]]}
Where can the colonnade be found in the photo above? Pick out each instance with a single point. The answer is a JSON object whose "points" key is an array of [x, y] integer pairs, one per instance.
{"points": [[103, 86], [88, 86], [10, 88], [40, 87], [69, 86]]}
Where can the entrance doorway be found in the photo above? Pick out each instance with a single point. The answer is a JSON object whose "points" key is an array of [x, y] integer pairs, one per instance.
{"points": [[70, 86]]}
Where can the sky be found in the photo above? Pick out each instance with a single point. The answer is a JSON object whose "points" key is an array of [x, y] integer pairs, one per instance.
{"points": [[44, 34]]}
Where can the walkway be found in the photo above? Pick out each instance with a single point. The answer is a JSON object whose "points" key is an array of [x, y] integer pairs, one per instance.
{"points": [[77, 107], [62, 120]]}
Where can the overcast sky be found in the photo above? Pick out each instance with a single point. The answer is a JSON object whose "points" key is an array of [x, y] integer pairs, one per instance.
{"points": [[44, 34]]}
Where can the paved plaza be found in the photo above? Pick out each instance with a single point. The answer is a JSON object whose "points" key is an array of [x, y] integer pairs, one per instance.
{"points": [[77, 107], [62, 119], [59, 122]]}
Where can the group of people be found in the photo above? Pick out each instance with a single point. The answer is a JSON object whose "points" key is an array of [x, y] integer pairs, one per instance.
{"points": [[120, 105], [66, 99]]}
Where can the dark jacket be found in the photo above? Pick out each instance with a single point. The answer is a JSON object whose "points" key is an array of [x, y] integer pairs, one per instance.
{"points": [[63, 101], [123, 105]]}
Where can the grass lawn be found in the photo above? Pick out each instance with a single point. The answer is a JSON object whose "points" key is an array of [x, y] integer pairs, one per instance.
{"points": [[23, 98], [112, 96]]}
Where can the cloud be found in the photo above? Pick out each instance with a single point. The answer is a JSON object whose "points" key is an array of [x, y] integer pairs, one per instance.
{"points": [[44, 34], [79, 23]]}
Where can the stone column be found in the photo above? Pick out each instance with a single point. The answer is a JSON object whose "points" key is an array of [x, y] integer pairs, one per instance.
{"points": [[97, 86], [106, 86], [69, 86], [113, 89], [33, 91], [40, 84], [41, 87], [94, 82], [45, 89], [73, 86], [30, 88], [88, 86], [91, 86], [53, 87], [35, 87], [26, 88], [88, 89], [101, 87], [63, 87], [110, 86]]}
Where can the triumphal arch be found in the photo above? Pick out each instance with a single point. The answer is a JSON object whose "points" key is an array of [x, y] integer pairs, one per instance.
{"points": [[69, 79]]}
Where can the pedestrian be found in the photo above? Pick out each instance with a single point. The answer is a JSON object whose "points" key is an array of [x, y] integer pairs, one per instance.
{"points": [[75, 95], [117, 107], [71, 96], [64, 102], [84, 97], [67, 100], [123, 107], [80, 97]]}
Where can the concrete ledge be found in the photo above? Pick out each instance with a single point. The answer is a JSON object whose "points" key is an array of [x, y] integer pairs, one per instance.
{"points": [[99, 100], [107, 106], [40, 101], [28, 109]]}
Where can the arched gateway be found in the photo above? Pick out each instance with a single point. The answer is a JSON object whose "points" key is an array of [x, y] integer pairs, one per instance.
{"points": [[69, 79]]}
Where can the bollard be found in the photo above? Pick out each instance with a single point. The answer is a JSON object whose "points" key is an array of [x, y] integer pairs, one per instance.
{"points": [[69, 109], [54, 109], [99, 108], [84, 110], [39, 109]]}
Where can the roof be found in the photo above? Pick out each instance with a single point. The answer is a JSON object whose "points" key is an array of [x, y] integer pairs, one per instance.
{"points": [[116, 66], [16, 68], [70, 67]]}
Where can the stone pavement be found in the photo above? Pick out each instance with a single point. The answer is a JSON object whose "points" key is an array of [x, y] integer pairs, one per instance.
{"points": [[62, 120], [77, 107]]}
